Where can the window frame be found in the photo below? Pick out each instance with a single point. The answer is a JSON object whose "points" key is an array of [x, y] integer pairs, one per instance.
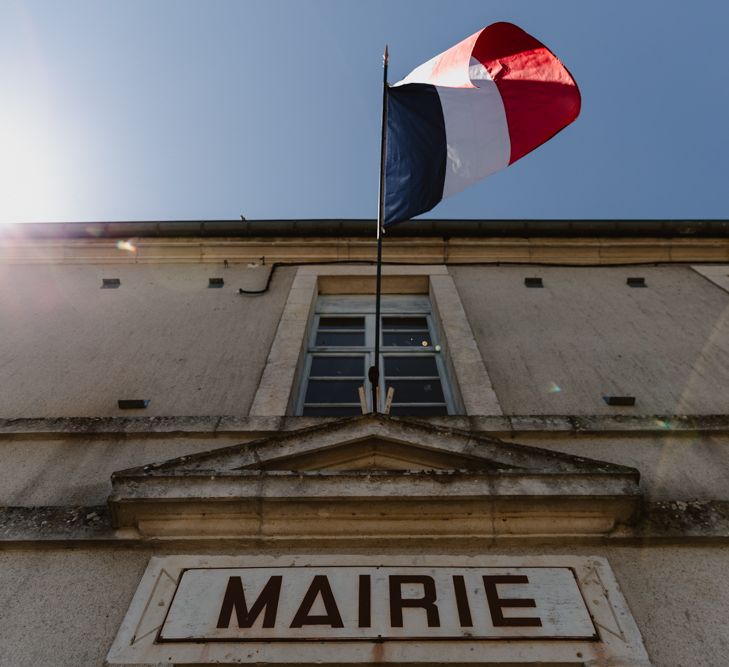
{"points": [[469, 380], [398, 305]]}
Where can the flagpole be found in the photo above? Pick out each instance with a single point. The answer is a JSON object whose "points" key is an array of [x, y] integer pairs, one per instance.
{"points": [[374, 371]]}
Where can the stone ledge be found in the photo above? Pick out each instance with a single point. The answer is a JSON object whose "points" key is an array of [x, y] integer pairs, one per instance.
{"points": [[667, 522], [56, 523], [684, 519], [211, 426]]}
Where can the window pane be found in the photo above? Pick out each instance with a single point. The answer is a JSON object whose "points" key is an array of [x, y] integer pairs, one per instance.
{"points": [[338, 357], [405, 323], [417, 391], [333, 366], [418, 339], [418, 410], [417, 366], [332, 391], [341, 323], [325, 338], [343, 411]]}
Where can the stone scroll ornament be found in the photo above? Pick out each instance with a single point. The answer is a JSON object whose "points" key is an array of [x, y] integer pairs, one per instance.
{"points": [[469, 112]]}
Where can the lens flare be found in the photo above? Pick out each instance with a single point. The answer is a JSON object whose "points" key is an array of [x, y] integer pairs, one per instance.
{"points": [[554, 388], [126, 245]]}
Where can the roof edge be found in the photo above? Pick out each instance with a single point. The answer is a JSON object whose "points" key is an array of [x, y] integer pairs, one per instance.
{"points": [[365, 227]]}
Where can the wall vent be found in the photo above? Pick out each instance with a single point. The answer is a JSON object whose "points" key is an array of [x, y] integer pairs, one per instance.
{"points": [[110, 283], [132, 403], [215, 282], [636, 282], [533, 282], [619, 400]]}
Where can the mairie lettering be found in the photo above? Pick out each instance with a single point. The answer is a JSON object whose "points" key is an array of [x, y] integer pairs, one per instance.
{"points": [[320, 594]]}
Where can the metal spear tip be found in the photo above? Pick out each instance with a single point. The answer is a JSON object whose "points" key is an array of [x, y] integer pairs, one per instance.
{"points": [[385, 56]]}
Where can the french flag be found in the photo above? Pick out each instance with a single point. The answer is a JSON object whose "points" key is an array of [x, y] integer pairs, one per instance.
{"points": [[469, 112]]}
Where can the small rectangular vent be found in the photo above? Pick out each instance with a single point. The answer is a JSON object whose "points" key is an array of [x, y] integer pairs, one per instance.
{"points": [[533, 282], [215, 282], [110, 283], [132, 403], [636, 282], [619, 400]]}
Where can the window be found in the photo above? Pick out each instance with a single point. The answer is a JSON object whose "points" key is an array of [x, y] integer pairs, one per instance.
{"points": [[466, 386], [341, 349]]}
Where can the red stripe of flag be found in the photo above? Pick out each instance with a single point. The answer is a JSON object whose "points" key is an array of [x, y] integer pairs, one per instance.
{"points": [[539, 94]]}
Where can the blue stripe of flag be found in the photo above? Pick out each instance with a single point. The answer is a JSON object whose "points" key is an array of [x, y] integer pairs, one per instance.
{"points": [[416, 152]]}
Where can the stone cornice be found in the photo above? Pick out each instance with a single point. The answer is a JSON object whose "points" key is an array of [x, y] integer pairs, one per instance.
{"points": [[293, 249], [212, 426]]}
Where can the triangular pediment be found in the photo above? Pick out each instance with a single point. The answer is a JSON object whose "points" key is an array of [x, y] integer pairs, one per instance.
{"points": [[375, 443], [375, 453], [365, 471]]}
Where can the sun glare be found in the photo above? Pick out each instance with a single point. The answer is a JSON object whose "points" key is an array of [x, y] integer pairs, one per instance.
{"points": [[31, 175]]}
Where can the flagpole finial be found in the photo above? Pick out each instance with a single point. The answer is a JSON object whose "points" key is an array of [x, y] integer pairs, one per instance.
{"points": [[385, 56]]}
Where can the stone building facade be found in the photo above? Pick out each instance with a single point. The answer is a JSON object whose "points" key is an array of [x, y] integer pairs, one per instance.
{"points": [[190, 476]]}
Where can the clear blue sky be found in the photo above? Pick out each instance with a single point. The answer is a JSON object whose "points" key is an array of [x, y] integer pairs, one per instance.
{"points": [[141, 110]]}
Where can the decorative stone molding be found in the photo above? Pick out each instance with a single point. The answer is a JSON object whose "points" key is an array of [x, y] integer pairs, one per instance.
{"points": [[374, 478]]}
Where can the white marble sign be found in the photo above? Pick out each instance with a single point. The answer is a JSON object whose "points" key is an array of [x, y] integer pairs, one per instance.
{"points": [[355, 610], [359, 602]]}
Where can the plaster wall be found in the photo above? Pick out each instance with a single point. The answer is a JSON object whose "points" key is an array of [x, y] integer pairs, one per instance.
{"points": [[70, 348], [77, 471], [586, 334], [68, 604], [672, 467]]}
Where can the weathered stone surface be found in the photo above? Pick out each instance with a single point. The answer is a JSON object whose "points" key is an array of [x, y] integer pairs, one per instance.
{"points": [[683, 520], [140, 427], [56, 523], [375, 477], [672, 521]]}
